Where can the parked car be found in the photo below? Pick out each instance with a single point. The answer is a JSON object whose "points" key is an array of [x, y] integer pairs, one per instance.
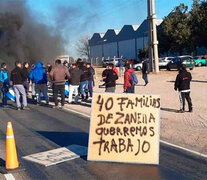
{"points": [[163, 62], [200, 61], [138, 66], [178, 61], [114, 61]]}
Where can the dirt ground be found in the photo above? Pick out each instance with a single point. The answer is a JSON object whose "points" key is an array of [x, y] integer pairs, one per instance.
{"points": [[188, 130]]}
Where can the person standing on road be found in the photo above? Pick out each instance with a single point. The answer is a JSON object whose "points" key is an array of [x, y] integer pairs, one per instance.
{"points": [[109, 77], [128, 84], [58, 75], [182, 83], [91, 82], [75, 75], [145, 72], [17, 79], [84, 81], [4, 84], [39, 76], [25, 77], [121, 67]]}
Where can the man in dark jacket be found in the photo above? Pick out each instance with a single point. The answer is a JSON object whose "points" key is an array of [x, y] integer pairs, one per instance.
{"points": [[109, 77], [145, 71], [128, 86], [4, 84], [58, 75], [84, 81], [16, 78], [182, 83], [39, 76], [75, 75], [25, 77], [91, 82]]}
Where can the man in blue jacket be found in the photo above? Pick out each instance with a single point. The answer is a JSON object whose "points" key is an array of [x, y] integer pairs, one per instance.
{"points": [[4, 83], [39, 76]]}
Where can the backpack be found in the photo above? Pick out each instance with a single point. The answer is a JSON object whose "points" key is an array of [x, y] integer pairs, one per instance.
{"points": [[133, 79]]}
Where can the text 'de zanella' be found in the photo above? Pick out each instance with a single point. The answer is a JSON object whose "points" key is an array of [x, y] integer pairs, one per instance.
{"points": [[125, 128]]}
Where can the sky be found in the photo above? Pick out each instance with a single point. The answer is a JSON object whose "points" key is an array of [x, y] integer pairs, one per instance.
{"points": [[78, 18]]}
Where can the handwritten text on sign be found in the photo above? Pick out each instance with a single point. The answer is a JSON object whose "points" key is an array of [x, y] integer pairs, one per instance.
{"points": [[125, 128]]}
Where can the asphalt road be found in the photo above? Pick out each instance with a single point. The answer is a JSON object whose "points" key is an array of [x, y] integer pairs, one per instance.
{"points": [[42, 128]]}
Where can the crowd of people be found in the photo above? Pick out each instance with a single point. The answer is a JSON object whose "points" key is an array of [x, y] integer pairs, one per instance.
{"points": [[80, 77]]}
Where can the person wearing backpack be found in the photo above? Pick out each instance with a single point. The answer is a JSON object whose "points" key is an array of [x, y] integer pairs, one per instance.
{"points": [[130, 79]]}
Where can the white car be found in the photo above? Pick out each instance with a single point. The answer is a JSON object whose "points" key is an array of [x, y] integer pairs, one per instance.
{"points": [[137, 66], [164, 62]]}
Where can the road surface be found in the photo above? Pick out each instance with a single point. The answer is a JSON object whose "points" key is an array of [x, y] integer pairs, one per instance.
{"points": [[43, 128]]}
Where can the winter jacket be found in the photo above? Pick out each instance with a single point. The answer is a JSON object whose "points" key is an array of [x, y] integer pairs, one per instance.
{"points": [[16, 76], [38, 74], [92, 72], [110, 77], [144, 67], [4, 78], [127, 78], [116, 71], [25, 74], [183, 80], [86, 74], [59, 73], [75, 75]]}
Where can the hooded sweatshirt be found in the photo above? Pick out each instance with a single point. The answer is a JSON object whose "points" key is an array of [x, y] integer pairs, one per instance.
{"points": [[127, 78], [183, 79], [4, 79], [38, 74]]}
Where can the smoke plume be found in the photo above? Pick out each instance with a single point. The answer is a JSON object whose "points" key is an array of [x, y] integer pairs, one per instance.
{"points": [[23, 38]]}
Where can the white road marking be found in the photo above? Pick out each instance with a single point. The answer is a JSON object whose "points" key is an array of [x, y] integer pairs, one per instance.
{"points": [[185, 149], [164, 142], [77, 112], [9, 177]]}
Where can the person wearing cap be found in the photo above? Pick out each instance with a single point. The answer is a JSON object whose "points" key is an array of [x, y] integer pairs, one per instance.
{"points": [[75, 76], [182, 84], [109, 77]]}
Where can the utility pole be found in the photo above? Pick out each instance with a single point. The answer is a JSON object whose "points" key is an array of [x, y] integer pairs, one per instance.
{"points": [[150, 50], [153, 43]]}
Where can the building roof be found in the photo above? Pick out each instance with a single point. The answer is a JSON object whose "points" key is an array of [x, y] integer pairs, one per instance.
{"points": [[127, 32], [110, 36], [96, 39]]}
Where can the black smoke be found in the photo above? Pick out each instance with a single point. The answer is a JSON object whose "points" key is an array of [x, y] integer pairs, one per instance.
{"points": [[23, 38]]}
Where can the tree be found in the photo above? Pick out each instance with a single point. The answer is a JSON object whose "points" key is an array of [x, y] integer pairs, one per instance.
{"points": [[143, 53], [83, 47], [199, 25], [176, 30]]}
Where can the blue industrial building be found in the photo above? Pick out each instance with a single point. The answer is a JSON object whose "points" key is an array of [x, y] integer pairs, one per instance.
{"points": [[124, 43]]}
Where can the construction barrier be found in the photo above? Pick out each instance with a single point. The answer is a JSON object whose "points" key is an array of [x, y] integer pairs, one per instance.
{"points": [[11, 153]]}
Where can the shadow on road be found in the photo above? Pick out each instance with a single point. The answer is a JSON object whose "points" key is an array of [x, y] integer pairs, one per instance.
{"points": [[169, 110], [66, 138]]}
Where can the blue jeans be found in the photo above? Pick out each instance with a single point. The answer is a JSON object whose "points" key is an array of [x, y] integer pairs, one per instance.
{"points": [[130, 89], [84, 88], [144, 76], [90, 87], [4, 90]]}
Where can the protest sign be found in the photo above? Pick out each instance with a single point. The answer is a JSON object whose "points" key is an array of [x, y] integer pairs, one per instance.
{"points": [[124, 128]]}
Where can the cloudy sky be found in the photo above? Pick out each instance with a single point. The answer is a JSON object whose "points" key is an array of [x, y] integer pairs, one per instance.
{"points": [[76, 18]]}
